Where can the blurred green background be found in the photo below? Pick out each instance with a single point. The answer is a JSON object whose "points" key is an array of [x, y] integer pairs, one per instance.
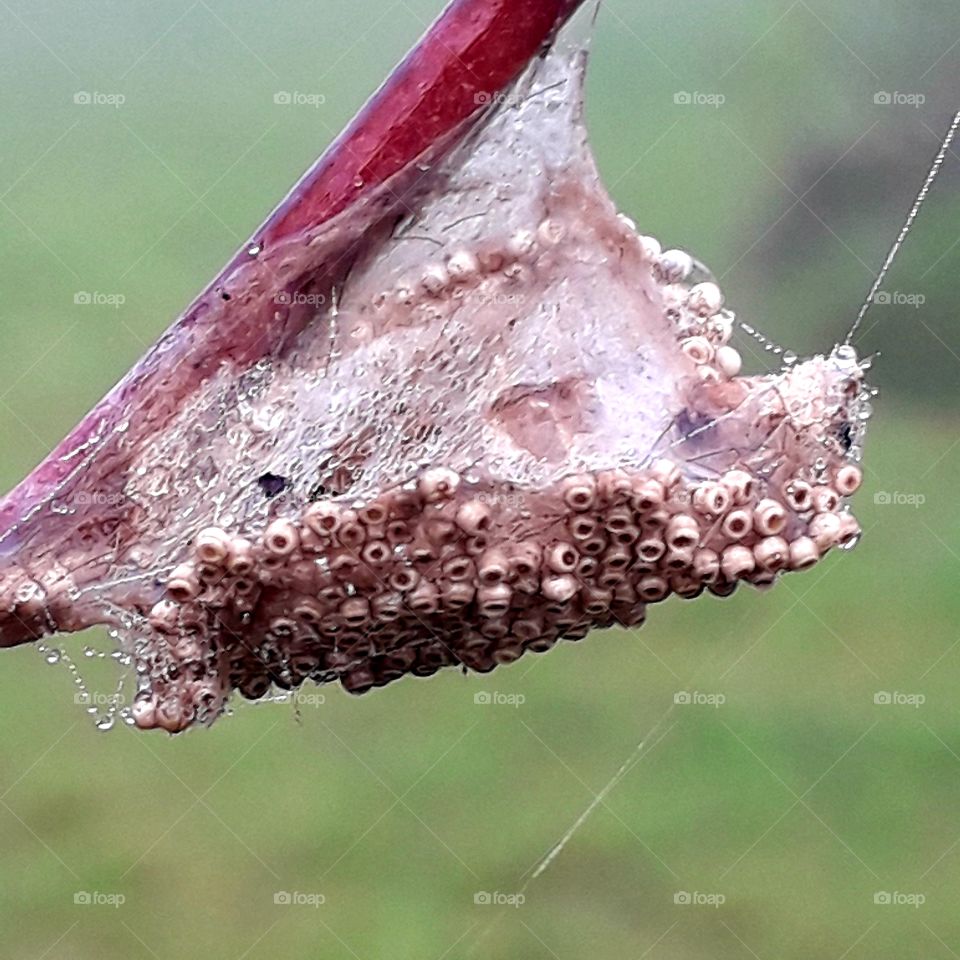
{"points": [[796, 801]]}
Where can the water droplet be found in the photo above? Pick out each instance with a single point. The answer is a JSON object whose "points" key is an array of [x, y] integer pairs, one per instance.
{"points": [[851, 542], [789, 358], [105, 723], [254, 249], [52, 655]]}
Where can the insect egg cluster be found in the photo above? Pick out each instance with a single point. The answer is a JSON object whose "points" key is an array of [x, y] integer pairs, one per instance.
{"points": [[444, 572]]}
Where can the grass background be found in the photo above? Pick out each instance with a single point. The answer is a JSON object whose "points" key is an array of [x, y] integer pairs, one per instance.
{"points": [[796, 800]]}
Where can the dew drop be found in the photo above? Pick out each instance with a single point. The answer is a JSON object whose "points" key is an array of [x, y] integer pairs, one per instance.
{"points": [[789, 358], [851, 543], [254, 249]]}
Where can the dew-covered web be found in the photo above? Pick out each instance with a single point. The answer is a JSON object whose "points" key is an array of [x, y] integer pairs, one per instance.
{"points": [[914, 212], [475, 414]]}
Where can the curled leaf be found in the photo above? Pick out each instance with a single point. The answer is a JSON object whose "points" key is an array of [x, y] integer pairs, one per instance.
{"points": [[447, 407]]}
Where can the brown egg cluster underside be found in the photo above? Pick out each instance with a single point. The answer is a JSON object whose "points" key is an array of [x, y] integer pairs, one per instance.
{"points": [[444, 572]]}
